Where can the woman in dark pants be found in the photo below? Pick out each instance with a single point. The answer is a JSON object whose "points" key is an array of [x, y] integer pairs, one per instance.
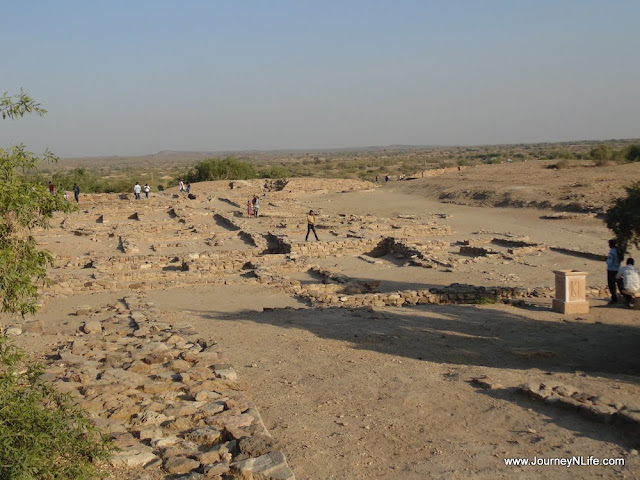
{"points": [[311, 225]]}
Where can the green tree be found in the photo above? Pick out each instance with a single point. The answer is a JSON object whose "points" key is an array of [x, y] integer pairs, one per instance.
{"points": [[24, 206], [276, 171], [632, 153], [42, 433], [601, 153], [229, 168], [623, 218]]}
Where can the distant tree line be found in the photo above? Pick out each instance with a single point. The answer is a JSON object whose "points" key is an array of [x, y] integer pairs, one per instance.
{"points": [[230, 168], [88, 182], [604, 153]]}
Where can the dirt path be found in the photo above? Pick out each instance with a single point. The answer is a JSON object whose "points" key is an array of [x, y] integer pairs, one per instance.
{"points": [[384, 394]]}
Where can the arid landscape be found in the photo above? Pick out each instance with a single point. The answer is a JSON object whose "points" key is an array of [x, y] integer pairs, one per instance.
{"points": [[414, 340]]}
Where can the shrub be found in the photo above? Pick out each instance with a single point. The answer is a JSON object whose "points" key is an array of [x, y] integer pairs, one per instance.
{"points": [[491, 161], [562, 164], [229, 168], [24, 206], [601, 153], [632, 153], [486, 301], [43, 435], [623, 218], [275, 171]]}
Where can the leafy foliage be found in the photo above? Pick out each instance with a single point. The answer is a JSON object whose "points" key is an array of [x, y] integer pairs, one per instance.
{"points": [[601, 152], [17, 106], [623, 218], [632, 153], [43, 435], [229, 168], [276, 171], [486, 300], [604, 154], [24, 205], [90, 182]]}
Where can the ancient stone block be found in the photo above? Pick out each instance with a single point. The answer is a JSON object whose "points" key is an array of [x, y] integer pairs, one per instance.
{"points": [[204, 436], [180, 465], [272, 466], [133, 457]]}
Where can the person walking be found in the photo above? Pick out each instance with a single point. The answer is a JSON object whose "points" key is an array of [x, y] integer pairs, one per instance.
{"points": [[136, 190], [76, 192], [146, 189], [181, 186], [629, 281], [52, 188], [613, 266], [249, 208], [311, 225]]}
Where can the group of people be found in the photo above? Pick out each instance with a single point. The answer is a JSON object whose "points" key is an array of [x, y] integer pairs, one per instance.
{"points": [[137, 190], [76, 192], [626, 279]]}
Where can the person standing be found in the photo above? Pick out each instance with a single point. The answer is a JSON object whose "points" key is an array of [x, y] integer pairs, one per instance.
{"points": [[181, 186], [137, 189], [249, 208], [613, 266], [629, 281], [52, 188], [311, 225], [256, 206], [76, 192], [146, 190]]}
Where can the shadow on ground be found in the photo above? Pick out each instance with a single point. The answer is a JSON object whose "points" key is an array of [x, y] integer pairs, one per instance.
{"points": [[494, 336]]}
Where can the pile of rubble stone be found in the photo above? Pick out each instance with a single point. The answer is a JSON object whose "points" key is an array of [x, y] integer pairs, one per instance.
{"points": [[168, 400]]}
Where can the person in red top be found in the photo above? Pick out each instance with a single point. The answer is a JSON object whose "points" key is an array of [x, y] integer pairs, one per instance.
{"points": [[52, 188]]}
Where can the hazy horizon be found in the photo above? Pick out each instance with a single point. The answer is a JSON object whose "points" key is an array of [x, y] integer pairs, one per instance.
{"points": [[354, 148], [136, 78]]}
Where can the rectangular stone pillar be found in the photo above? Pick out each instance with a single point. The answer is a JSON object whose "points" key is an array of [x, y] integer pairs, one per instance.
{"points": [[571, 289]]}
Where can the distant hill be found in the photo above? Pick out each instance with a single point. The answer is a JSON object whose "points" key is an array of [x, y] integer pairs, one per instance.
{"points": [[172, 159]]}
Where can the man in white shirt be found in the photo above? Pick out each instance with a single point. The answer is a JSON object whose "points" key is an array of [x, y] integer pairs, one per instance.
{"points": [[630, 277], [136, 190]]}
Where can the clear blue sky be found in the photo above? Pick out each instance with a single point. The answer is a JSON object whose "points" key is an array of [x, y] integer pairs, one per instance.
{"points": [[138, 76]]}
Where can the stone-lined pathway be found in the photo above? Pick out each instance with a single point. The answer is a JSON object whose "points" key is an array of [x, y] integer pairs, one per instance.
{"points": [[166, 397]]}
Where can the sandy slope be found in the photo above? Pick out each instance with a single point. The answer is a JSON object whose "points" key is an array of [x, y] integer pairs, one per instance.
{"points": [[581, 187]]}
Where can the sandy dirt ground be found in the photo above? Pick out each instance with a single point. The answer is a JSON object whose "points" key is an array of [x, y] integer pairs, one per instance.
{"points": [[382, 392]]}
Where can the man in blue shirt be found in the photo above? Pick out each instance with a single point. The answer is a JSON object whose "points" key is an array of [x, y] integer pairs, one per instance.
{"points": [[613, 265]]}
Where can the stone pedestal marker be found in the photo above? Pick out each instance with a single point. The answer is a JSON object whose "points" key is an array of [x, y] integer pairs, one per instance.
{"points": [[571, 286]]}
